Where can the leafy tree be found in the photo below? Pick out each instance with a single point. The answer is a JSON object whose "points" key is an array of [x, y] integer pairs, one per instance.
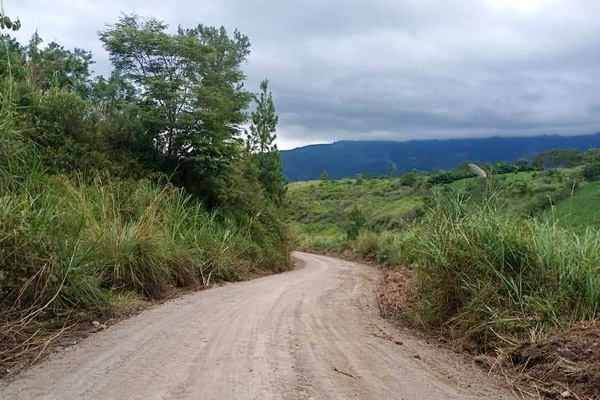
{"points": [[566, 158], [523, 165], [261, 142], [13, 59], [592, 155], [56, 67], [503, 167], [192, 85], [7, 23], [591, 171], [324, 177], [408, 178]]}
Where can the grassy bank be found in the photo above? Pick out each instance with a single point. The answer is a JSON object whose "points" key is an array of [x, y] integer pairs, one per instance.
{"points": [[495, 261], [488, 276], [72, 246]]}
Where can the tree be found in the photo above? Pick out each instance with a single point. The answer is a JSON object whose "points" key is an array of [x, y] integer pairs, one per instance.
{"points": [[566, 158], [261, 143], [7, 23], [56, 67], [324, 177], [591, 156], [591, 171], [504, 167], [191, 84], [408, 178], [523, 165]]}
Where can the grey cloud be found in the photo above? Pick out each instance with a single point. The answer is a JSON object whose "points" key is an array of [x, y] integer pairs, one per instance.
{"points": [[385, 69]]}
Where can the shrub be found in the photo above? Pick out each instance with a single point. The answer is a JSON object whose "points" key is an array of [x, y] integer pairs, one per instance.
{"points": [[591, 172]]}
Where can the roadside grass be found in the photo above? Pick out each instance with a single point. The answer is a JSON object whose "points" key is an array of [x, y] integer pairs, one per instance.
{"points": [[492, 278], [507, 266], [74, 246], [490, 269]]}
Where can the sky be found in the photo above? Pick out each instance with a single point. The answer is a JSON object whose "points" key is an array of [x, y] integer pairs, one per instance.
{"points": [[385, 69]]}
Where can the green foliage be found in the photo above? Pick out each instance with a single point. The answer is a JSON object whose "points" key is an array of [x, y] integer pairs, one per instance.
{"points": [[491, 276], [408, 178], [591, 156], [579, 211], [193, 80], [261, 142], [591, 171], [73, 243], [131, 184], [59, 68], [494, 263], [565, 158], [355, 223], [7, 23], [324, 177]]}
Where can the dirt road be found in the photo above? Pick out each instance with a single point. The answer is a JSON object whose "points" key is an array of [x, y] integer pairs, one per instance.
{"points": [[312, 333]]}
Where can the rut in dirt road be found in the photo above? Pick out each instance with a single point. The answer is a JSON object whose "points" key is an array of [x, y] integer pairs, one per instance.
{"points": [[310, 333]]}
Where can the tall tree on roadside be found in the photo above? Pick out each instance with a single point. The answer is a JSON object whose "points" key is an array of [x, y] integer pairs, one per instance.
{"points": [[191, 82], [261, 143]]}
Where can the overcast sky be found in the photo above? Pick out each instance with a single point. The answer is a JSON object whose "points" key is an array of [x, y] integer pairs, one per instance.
{"points": [[386, 69]]}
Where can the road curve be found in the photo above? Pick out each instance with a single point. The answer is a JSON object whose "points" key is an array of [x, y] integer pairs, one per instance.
{"points": [[312, 333]]}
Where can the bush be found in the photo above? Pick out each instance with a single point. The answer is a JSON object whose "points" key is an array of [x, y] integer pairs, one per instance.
{"points": [[591, 172]]}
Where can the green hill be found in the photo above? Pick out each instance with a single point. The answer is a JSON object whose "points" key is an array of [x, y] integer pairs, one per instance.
{"points": [[319, 210]]}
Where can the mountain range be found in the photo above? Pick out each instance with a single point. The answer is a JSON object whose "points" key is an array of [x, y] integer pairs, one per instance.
{"points": [[349, 158]]}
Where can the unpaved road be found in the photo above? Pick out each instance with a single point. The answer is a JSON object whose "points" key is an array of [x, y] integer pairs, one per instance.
{"points": [[312, 333]]}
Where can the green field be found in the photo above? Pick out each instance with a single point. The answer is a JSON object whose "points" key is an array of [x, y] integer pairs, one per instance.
{"points": [[319, 209], [581, 211]]}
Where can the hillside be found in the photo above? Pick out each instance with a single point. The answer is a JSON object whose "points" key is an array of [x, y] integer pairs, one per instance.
{"points": [[349, 158], [320, 210]]}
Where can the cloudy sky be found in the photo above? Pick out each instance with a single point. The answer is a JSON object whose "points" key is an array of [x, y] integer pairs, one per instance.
{"points": [[386, 69]]}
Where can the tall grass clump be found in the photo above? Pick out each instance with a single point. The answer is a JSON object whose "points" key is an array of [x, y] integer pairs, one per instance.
{"points": [[490, 276]]}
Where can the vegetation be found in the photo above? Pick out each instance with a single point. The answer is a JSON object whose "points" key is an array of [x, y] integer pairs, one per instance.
{"points": [[126, 186], [496, 260]]}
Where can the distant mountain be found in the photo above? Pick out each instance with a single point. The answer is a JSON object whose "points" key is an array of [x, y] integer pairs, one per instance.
{"points": [[348, 158]]}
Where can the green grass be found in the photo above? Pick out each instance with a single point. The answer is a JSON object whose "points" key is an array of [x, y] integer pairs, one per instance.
{"points": [[321, 208], [582, 210], [496, 262], [491, 276], [71, 246]]}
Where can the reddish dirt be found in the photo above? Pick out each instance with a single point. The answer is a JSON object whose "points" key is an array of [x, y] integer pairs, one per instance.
{"points": [[564, 366], [397, 293]]}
